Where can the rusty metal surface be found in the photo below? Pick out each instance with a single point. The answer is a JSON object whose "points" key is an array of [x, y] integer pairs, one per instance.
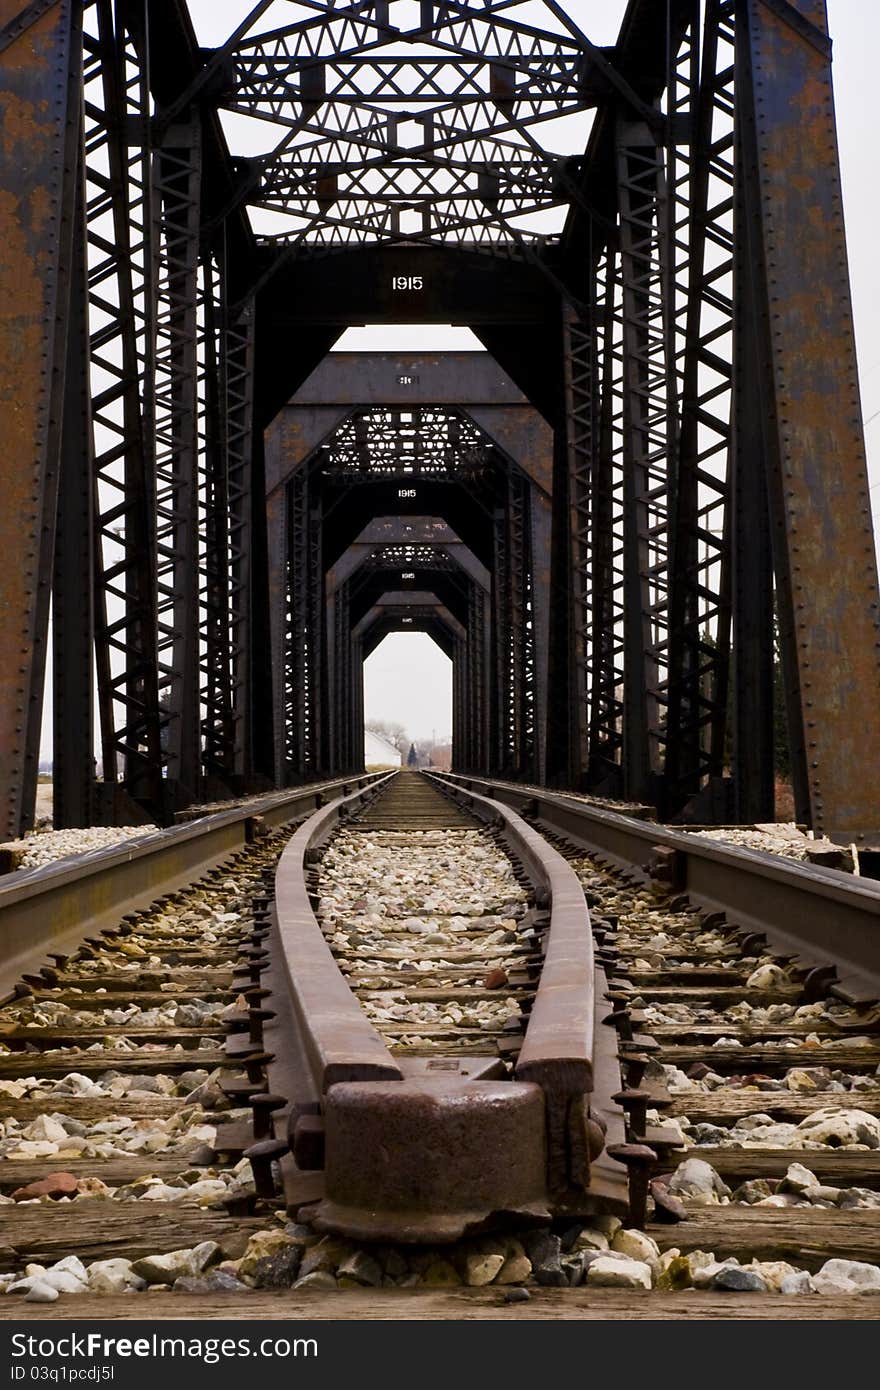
{"points": [[557, 1052], [432, 1159], [339, 1042], [814, 912], [50, 908], [471, 380], [36, 154], [411, 1157], [826, 567]]}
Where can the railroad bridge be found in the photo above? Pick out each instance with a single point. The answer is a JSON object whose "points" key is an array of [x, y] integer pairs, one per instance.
{"points": [[508, 1007], [648, 488]]}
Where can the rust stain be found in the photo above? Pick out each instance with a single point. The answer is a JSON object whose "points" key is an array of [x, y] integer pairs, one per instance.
{"points": [[29, 131], [19, 122], [822, 451]]}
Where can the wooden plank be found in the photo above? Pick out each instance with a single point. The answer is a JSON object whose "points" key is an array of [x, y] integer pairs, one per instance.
{"points": [[769, 1060], [460, 1305], [805, 1236], [85, 1036], [640, 979], [501, 952], [144, 998], [442, 996], [150, 978], [97, 1230], [833, 1167], [88, 1108], [360, 979], [719, 996], [17, 1064], [395, 1028], [725, 1106], [759, 1032], [115, 1172]]}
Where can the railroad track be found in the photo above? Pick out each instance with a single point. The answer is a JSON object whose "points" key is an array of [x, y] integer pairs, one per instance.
{"points": [[274, 1054]]}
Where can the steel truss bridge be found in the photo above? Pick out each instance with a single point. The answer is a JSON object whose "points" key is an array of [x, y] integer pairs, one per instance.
{"points": [[651, 485]]}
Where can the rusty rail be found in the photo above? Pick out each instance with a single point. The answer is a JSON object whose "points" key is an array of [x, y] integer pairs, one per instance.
{"points": [[807, 911], [48, 909], [340, 1044], [557, 1052], [414, 1154]]}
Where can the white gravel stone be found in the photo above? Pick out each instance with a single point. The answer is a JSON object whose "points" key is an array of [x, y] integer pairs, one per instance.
{"points": [[798, 1178], [847, 1276], [481, 1268], [591, 1240], [72, 1265], [41, 1291], [606, 1272], [842, 1127], [698, 1182], [114, 1276], [64, 1281], [767, 977], [704, 1275], [637, 1246], [62, 844], [773, 1272], [177, 1264], [800, 1282]]}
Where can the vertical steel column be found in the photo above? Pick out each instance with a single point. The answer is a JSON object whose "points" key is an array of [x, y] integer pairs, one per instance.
{"points": [[606, 617], [701, 163], [540, 541], [40, 75], [460, 709], [456, 711], [300, 636], [73, 758], [357, 702], [278, 519], [339, 708], [226, 595], [641, 192], [826, 572], [293, 727], [501, 634], [177, 189], [752, 597], [522, 649], [121, 350], [330, 747], [238, 383], [215, 649], [578, 359], [316, 669], [477, 648]]}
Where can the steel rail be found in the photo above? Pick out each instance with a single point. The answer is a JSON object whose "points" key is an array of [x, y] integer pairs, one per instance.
{"points": [[810, 912], [414, 1153], [557, 1051], [51, 908]]}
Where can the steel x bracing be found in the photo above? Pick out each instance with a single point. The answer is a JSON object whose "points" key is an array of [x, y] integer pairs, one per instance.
{"points": [[657, 465]]}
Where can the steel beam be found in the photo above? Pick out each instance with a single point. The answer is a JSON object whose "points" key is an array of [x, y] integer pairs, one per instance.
{"points": [[179, 443], [73, 597], [826, 571], [120, 234], [641, 191], [40, 82]]}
